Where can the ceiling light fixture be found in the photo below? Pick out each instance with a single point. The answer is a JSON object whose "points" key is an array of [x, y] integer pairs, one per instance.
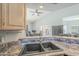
{"points": [[41, 7]]}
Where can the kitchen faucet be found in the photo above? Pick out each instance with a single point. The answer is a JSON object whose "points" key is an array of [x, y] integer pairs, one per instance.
{"points": [[40, 39]]}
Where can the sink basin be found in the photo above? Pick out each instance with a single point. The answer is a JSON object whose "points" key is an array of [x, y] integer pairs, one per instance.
{"points": [[32, 48], [48, 46], [39, 48]]}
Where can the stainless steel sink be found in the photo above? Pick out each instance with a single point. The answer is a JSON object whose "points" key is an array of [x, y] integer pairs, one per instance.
{"points": [[38, 48], [31, 48], [48, 46]]}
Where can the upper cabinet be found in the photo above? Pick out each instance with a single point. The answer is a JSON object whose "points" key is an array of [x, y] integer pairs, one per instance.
{"points": [[12, 16], [0, 16]]}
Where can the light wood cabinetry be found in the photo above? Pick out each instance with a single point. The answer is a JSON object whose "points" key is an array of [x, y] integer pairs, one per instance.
{"points": [[0, 16], [12, 16]]}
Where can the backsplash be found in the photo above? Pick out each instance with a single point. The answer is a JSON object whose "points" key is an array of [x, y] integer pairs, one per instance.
{"points": [[9, 36]]}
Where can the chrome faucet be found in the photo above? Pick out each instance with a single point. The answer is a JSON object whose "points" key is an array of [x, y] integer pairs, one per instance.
{"points": [[40, 39]]}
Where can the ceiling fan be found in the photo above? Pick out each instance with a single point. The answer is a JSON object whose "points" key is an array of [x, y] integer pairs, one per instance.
{"points": [[36, 12]]}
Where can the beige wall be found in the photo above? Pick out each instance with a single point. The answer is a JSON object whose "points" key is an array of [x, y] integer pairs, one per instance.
{"points": [[11, 35]]}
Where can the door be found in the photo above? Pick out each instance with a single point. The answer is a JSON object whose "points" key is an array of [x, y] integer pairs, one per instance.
{"points": [[0, 16], [15, 16]]}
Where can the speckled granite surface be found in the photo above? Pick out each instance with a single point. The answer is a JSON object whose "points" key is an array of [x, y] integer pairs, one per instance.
{"points": [[71, 50], [13, 49], [10, 49], [69, 45]]}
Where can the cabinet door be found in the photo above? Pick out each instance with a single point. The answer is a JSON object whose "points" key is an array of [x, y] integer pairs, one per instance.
{"points": [[0, 16], [15, 16]]}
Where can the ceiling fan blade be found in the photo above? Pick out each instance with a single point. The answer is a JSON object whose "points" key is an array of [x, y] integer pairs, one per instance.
{"points": [[40, 12], [38, 15], [36, 10]]}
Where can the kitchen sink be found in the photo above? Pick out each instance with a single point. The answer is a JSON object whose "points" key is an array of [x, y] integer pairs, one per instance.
{"points": [[31, 48], [48, 46], [39, 48]]}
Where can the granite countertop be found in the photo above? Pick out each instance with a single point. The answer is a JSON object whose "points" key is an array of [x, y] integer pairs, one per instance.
{"points": [[72, 50], [66, 37], [53, 37], [13, 49]]}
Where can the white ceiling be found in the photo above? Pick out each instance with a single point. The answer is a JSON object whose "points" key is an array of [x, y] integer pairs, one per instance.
{"points": [[31, 17], [48, 7]]}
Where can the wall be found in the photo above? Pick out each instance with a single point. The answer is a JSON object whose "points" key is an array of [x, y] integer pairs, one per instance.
{"points": [[29, 26], [8, 36], [55, 18], [71, 24]]}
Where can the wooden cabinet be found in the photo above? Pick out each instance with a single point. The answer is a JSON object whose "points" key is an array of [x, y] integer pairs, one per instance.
{"points": [[0, 16], [12, 16]]}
